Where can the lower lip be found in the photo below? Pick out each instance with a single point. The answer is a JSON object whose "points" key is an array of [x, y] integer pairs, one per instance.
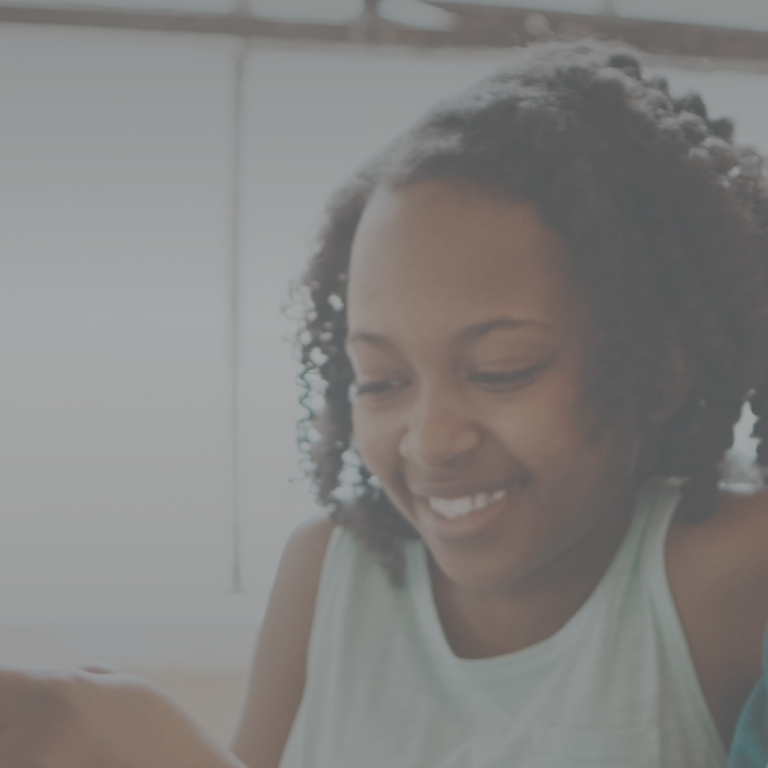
{"points": [[474, 523]]}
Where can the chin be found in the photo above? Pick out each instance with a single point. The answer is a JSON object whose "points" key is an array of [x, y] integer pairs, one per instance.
{"points": [[478, 571]]}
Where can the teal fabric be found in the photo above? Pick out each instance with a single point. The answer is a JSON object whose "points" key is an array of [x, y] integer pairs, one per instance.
{"points": [[750, 744]]}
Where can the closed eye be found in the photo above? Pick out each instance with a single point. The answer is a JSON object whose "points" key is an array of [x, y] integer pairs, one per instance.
{"points": [[505, 381], [377, 388]]}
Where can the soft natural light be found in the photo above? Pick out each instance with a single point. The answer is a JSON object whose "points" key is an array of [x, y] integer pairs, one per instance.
{"points": [[115, 315], [116, 304]]}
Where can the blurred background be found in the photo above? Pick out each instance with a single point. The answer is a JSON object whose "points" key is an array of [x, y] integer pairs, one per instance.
{"points": [[163, 170]]}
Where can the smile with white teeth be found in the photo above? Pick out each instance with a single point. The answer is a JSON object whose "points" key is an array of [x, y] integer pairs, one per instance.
{"points": [[453, 508]]}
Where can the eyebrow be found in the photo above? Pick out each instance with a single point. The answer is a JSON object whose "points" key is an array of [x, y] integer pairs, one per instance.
{"points": [[472, 333], [374, 339], [479, 330]]}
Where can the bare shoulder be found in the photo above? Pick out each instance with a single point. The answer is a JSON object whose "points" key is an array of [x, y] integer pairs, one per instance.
{"points": [[718, 575], [304, 553], [279, 666], [732, 543], [742, 520], [292, 602], [720, 567], [745, 517]]}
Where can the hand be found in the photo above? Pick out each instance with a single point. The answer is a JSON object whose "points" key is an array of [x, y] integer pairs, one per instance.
{"points": [[80, 719]]}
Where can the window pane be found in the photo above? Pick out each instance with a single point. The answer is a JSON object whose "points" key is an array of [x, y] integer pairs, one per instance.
{"points": [[114, 309]]}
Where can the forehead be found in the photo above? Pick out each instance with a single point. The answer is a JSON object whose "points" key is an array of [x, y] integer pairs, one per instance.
{"points": [[448, 255]]}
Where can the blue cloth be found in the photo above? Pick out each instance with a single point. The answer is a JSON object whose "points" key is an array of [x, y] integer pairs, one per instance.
{"points": [[750, 743]]}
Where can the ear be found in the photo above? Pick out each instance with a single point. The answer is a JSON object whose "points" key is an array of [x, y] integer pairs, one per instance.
{"points": [[676, 383]]}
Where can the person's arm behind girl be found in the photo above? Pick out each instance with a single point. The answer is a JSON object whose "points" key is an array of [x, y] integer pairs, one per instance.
{"points": [[750, 742]]}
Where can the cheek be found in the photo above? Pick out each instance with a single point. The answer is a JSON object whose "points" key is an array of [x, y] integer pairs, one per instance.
{"points": [[568, 448], [376, 441], [552, 420]]}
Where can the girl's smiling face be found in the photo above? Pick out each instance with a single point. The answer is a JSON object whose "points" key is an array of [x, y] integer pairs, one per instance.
{"points": [[475, 357]]}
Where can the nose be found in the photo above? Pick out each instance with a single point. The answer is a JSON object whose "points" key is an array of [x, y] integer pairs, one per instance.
{"points": [[440, 429]]}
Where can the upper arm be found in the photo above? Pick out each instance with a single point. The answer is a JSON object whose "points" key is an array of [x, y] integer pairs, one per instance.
{"points": [[750, 553], [743, 542], [279, 666]]}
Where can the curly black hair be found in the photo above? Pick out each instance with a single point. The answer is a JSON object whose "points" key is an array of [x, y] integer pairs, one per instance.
{"points": [[663, 216]]}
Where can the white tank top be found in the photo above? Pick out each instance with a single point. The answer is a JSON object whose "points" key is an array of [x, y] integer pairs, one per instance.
{"points": [[614, 687]]}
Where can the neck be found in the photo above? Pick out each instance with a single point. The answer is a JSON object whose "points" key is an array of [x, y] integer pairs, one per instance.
{"points": [[483, 624]]}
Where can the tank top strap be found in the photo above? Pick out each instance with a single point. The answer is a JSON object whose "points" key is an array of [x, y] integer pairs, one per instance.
{"points": [[655, 507], [654, 504], [659, 506]]}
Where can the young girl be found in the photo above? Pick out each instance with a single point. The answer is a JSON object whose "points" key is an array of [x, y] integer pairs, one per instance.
{"points": [[530, 327]]}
